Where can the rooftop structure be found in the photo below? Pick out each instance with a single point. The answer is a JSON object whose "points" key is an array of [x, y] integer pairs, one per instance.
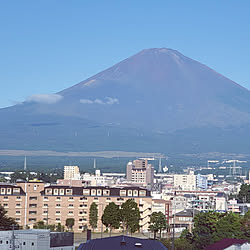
{"points": [[122, 242]]}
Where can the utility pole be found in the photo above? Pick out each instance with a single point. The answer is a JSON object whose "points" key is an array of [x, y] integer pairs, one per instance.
{"points": [[47, 219], [13, 238], [173, 247], [101, 222]]}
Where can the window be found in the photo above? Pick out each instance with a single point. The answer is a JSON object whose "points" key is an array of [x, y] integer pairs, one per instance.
{"points": [[18, 212], [93, 192], [71, 205], [33, 205], [142, 193], [5, 205], [99, 192], [35, 187], [108, 199], [48, 191], [6, 197], [32, 244], [32, 219], [24, 243], [58, 198], [45, 205], [32, 212], [96, 199], [18, 204], [8, 190], [106, 192], [122, 192], [58, 212], [2, 190], [58, 205], [58, 219], [33, 198], [61, 191], [130, 193], [18, 198], [17, 219], [85, 192], [45, 198], [56, 191], [135, 193], [68, 191]]}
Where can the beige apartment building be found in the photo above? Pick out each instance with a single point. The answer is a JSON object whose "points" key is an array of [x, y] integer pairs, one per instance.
{"points": [[30, 202]]}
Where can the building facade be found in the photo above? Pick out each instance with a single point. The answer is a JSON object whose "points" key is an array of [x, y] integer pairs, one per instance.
{"points": [[140, 172], [71, 173], [30, 202], [185, 182]]}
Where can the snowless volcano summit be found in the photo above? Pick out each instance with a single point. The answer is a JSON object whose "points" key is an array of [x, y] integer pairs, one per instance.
{"points": [[156, 100]]}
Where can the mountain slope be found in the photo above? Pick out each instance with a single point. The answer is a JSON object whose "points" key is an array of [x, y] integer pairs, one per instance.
{"points": [[156, 100]]}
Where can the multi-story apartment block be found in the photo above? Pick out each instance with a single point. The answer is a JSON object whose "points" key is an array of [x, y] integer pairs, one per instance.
{"points": [[30, 202], [140, 172]]}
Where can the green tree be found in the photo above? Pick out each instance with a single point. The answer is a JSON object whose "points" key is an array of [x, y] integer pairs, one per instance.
{"points": [[186, 235], [244, 194], [158, 223], [130, 216], [205, 228], [111, 216], [93, 215], [70, 222], [228, 226], [245, 225], [39, 225], [59, 228], [6, 223]]}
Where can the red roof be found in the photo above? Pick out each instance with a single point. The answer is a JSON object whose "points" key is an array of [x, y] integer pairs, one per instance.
{"points": [[224, 243]]}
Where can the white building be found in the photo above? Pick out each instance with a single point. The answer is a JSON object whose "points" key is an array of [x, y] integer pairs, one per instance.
{"points": [[221, 202], [185, 182], [35, 239], [71, 173], [97, 179]]}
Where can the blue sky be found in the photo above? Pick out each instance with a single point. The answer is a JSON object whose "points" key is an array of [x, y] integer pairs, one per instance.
{"points": [[49, 45]]}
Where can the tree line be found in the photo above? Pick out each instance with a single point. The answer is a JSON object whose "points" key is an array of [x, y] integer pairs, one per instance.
{"points": [[210, 227], [126, 217]]}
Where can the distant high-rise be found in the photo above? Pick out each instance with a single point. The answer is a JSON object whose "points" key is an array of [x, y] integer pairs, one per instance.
{"points": [[140, 172], [25, 164], [160, 168], [71, 173]]}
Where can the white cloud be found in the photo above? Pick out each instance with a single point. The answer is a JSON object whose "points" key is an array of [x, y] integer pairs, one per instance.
{"points": [[112, 101], [98, 101], [107, 100], [45, 98], [86, 101]]}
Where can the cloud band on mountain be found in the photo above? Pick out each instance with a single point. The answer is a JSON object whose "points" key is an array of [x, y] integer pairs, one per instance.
{"points": [[107, 101], [45, 98]]}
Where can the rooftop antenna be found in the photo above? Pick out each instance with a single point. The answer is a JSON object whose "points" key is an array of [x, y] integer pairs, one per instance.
{"points": [[160, 169], [25, 164]]}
